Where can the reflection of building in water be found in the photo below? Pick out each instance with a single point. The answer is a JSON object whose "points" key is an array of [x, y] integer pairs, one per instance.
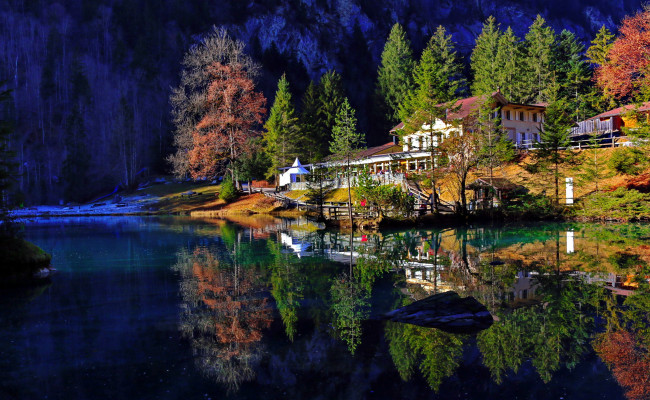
{"points": [[453, 259], [297, 246], [524, 287]]}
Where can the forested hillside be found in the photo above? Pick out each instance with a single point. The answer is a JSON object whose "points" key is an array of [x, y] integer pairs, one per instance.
{"points": [[91, 79]]}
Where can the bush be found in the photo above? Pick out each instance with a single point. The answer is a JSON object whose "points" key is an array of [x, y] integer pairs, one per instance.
{"points": [[536, 206], [628, 161], [228, 191], [622, 204]]}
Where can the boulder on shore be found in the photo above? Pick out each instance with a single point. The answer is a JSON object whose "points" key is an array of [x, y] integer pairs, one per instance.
{"points": [[21, 259], [445, 311]]}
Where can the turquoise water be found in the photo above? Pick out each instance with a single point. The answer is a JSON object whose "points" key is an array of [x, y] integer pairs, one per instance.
{"points": [[168, 308]]}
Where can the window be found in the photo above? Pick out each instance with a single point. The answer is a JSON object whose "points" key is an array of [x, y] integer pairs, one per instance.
{"points": [[508, 115], [534, 117], [522, 117]]}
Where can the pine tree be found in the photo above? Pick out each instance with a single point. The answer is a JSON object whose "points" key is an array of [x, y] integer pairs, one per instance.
{"points": [[600, 46], [572, 73], [7, 165], [77, 160], [597, 55], [509, 74], [346, 142], [330, 100], [395, 71], [484, 60], [438, 80], [281, 134], [309, 124], [538, 60], [552, 151]]}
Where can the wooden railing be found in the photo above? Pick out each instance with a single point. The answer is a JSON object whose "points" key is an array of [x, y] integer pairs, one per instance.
{"points": [[590, 127]]}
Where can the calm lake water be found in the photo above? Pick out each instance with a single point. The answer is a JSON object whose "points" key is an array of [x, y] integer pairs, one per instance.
{"points": [[171, 308]]}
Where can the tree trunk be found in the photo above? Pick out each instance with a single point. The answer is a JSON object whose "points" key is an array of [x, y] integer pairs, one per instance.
{"points": [[350, 198], [557, 184], [463, 197], [434, 194]]}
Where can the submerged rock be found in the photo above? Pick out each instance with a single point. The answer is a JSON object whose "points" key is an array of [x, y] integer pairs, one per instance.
{"points": [[445, 311]]}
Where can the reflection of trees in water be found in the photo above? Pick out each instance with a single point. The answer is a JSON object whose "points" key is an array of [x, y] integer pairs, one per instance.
{"points": [[223, 315], [287, 286], [625, 345], [350, 306], [552, 334], [436, 354], [629, 361]]}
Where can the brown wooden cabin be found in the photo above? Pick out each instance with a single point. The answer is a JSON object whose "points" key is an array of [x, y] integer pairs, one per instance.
{"points": [[493, 190]]}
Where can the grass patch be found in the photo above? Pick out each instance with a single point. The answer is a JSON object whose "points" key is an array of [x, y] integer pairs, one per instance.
{"points": [[172, 198], [621, 205]]}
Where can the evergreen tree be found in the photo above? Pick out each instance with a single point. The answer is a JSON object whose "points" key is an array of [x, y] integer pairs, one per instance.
{"points": [[593, 166], [48, 80], [438, 80], [538, 60], [395, 78], [254, 164], [281, 127], [309, 124], [600, 46], [552, 151], [484, 60], [346, 143], [573, 74], [600, 100], [77, 160], [81, 91], [509, 57], [7, 164], [330, 100]]}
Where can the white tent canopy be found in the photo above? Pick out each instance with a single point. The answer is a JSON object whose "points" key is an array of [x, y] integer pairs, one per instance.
{"points": [[293, 174]]}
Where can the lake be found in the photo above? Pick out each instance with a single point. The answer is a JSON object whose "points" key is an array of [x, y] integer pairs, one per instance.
{"points": [[260, 307]]}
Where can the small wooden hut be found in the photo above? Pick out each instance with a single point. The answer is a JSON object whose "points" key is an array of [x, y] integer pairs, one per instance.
{"points": [[493, 191]]}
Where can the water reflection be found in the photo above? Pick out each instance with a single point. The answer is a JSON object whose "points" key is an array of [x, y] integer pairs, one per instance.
{"points": [[548, 288], [289, 310], [224, 312]]}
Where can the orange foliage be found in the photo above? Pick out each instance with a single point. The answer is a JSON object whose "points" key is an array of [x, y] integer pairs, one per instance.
{"points": [[630, 363], [239, 314], [626, 69], [234, 109]]}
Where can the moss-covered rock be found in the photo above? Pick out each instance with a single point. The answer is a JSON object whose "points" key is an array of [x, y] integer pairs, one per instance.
{"points": [[20, 258]]}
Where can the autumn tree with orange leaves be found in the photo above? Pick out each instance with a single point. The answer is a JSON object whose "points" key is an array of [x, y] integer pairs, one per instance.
{"points": [[234, 110], [625, 72]]}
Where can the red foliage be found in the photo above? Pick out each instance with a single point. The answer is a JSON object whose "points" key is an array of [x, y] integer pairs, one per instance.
{"points": [[240, 313], [234, 110], [629, 362], [626, 70]]}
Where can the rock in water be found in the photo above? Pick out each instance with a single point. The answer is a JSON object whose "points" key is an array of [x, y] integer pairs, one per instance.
{"points": [[445, 311]]}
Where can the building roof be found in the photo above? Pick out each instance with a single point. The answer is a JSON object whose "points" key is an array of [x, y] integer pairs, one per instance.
{"points": [[378, 149], [463, 108], [397, 127], [622, 110], [496, 183], [297, 169]]}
